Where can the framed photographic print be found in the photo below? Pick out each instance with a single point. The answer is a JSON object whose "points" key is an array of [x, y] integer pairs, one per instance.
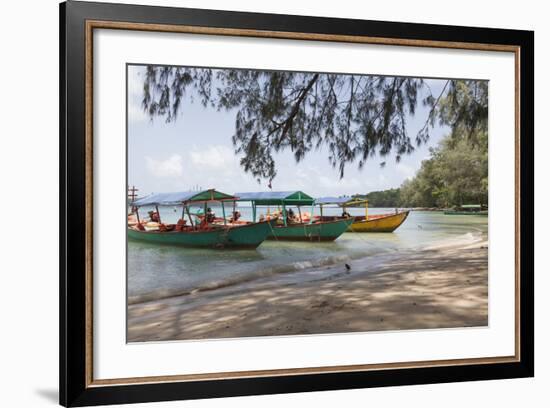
{"points": [[255, 203]]}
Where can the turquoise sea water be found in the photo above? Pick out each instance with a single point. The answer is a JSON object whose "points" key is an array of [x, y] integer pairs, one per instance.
{"points": [[155, 270]]}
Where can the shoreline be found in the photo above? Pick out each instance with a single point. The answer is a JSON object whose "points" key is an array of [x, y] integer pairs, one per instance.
{"points": [[297, 268], [440, 287]]}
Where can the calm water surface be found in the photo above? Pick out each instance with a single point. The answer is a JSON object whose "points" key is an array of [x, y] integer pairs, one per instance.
{"points": [[160, 268]]}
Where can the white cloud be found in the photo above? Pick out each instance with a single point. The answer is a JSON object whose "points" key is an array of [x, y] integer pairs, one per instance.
{"points": [[214, 166], [171, 167], [217, 166], [405, 170], [215, 157], [313, 180]]}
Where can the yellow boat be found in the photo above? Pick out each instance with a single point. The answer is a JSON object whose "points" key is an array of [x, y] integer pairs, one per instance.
{"points": [[367, 223], [378, 222]]}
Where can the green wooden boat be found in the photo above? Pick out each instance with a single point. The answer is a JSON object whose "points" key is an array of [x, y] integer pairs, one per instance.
{"points": [[299, 229], [240, 236], [203, 234], [315, 231]]}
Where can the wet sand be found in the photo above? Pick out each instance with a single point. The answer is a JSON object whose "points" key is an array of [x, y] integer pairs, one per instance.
{"points": [[436, 288]]}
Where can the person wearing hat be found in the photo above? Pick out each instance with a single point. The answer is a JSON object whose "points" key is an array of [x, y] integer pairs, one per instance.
{"points": [[210, 215], [154, 216]]}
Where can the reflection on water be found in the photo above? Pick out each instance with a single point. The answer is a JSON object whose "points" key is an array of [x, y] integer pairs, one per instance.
{"points": [[159, 267]]}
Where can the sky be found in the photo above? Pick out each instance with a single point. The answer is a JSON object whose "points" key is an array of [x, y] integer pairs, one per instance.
{"points": [[196, 151]]}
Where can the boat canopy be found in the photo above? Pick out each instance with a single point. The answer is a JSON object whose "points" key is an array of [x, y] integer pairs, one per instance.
{"points": [[342, 201], [276, 198], [184, 197]]}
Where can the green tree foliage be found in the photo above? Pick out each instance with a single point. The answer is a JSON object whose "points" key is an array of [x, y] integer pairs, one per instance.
{"points": [[385, 198], [465, 108], [456, 173], [355, 117]]}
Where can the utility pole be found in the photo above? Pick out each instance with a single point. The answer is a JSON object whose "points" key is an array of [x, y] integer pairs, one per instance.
{"points": [[132, 194]]}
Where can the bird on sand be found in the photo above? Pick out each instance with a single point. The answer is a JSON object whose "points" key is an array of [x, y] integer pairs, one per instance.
{"points": [[347, 267]]}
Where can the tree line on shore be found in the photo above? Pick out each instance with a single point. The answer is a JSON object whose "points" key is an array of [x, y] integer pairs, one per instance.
{"points": [[456, 173]]}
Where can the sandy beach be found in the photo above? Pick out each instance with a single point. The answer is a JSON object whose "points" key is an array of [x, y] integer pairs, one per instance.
{"points": [[440, 287]]}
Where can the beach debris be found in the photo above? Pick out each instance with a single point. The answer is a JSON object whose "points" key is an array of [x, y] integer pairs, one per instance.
{"points": [[322, 304]]}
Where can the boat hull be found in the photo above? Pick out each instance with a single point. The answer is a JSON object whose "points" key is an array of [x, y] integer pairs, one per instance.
{"points": [[379, 223], [315, 232], [242, 236]]}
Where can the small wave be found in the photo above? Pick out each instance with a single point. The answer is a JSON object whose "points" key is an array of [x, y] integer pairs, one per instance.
{"points": [[243, 278], [463, 240]]}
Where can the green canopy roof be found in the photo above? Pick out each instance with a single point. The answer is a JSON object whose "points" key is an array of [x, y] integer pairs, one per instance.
{"points": [[183, 197], [342, 201], [276, 198]]}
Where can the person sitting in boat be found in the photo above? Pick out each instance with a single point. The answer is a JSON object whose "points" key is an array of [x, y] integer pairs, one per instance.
{"points": [[154, 216], [290, 216], [210, 215], [166, 227], [345, 213], [235, 217], [132, 220], [181, 224]]}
